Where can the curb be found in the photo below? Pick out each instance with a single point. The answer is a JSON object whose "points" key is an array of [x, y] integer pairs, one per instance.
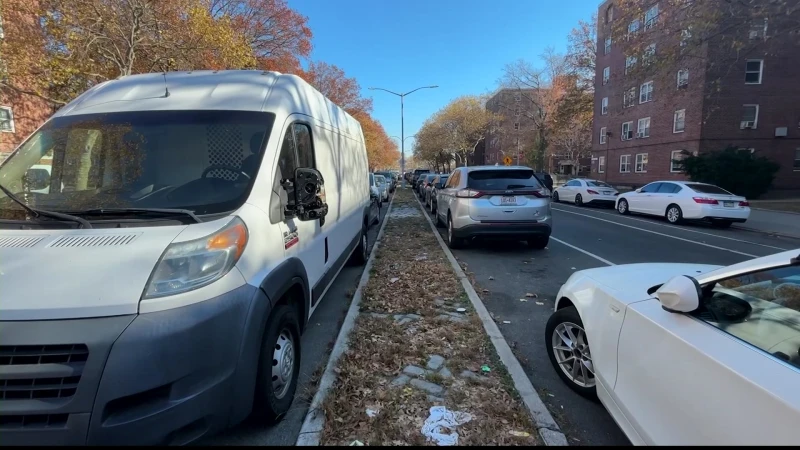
{"points": [[776, 211], [773, 233], [548, 428], [314, 422]]}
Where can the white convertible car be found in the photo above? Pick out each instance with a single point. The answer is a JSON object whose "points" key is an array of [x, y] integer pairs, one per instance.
{"points": [[686, 354]]}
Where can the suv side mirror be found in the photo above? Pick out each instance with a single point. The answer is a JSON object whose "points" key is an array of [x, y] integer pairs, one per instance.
{"points": [[309, 194], [680, 294]]}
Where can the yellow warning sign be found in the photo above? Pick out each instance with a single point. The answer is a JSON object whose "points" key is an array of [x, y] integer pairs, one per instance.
{"points": [[507, 160]]}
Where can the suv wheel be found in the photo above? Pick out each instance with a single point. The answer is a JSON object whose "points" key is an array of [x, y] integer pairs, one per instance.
{"points": [[278, 365], [452, 240]]}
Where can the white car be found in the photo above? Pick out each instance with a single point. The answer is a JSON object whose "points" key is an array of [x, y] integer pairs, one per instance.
{"points": [[583, 191], [686, 354], [679, 200]]}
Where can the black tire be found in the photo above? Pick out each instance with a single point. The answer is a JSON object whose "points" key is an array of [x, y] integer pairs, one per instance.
{"points": [[452, 240], [566, 315], [361, 253], [437, 220], [539, 243], [555, 197], [722, 223], [673, 214], [622, 207], [433, 209], [270, 406], [578, 200]]}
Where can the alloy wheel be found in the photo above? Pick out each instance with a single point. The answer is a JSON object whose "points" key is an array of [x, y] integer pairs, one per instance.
{"points": [[571, 350]]}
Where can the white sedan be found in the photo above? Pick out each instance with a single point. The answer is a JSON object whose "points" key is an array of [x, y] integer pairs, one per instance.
{"points": [[686, 354], [583, 191], [679, 200]]}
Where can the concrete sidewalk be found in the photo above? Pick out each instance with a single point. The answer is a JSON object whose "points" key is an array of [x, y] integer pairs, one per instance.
{"points": [[772, 222]]}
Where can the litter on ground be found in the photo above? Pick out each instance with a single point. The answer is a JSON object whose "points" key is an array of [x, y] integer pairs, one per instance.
{"points": [[442, 420]]}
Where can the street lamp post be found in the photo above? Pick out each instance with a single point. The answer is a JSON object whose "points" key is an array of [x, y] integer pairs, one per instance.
{"points": [[402, 125]]}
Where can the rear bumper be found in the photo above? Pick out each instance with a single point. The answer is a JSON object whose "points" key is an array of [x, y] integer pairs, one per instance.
{"points": [[608, 201], [709, 212], [504, 230], [160, 378]]}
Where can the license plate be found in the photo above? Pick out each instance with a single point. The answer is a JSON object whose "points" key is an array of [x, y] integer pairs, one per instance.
{"points": [[606, 192], [727, 204], [508, 200]]}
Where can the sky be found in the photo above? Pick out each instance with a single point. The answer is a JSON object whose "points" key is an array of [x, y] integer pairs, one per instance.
{"points": [[461, 46]]}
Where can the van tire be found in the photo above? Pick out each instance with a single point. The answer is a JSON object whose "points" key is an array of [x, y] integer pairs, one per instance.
{"points": [[270, 406], [361, 253]]}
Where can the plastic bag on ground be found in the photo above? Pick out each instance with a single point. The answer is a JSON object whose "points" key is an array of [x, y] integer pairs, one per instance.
{"points": [[440, 426]]}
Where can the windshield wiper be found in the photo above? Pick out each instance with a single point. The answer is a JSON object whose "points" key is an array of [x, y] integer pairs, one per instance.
{"points": [[142, 212], [37, 213]]}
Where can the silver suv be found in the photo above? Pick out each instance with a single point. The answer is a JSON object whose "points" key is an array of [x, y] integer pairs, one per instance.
{"points": [[497, 202]]}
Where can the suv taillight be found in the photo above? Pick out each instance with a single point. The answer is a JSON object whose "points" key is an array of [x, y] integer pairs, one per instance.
{"points": [[705, 201], [469, 193]]}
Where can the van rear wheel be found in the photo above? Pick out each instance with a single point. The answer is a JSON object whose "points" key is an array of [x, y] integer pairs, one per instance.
{"points": [[278, 365], [361, 253]]}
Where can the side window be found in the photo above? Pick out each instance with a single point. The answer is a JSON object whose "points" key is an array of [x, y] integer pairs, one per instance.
{"points": [[282, 192], [667, 188], [452, 181], [305, 146], [287, 161], [761, 308], [652, 187]]}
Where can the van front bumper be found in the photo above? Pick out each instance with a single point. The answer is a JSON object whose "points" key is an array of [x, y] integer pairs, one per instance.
{"points": [[160, 378]]}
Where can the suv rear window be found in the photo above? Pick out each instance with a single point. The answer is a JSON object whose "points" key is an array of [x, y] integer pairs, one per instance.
{"points": [[707, 189], [494, 180]]}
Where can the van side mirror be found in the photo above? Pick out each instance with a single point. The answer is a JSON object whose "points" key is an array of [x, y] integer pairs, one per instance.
{"points": [[680, 294], [309, 194]]}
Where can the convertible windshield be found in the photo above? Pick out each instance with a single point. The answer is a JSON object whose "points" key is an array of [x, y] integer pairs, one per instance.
{"points": [[201, 161]]}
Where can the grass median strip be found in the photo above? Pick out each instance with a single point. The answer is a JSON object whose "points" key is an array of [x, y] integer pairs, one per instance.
{"points": [[418, 346]]}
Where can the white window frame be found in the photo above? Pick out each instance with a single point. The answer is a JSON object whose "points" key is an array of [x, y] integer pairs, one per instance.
{"points": [[755, 122], [10, 120], [634, 29], [649, 54], [686, 34], [758, 31], [672, 158], [626, 164], [625, 133], [760, 71], [750, 150], [643, 132], [603, 135], [607, 45], [653, 19], [604, 106], [643, 163], [675, 121], [648, 94], [629, 97], [517, 111], [601, 164], [606, 75], [630, 63], [686, 78], [516, 126]]}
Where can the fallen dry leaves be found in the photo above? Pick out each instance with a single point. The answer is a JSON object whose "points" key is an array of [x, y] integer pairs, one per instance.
{"points": [[411, 275]]}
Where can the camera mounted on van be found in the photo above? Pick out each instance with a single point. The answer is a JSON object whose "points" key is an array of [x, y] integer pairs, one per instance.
{"points": [[309, 195]]}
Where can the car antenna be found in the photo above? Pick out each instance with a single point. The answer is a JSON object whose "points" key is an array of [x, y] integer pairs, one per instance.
{"points": [[166, 88]]}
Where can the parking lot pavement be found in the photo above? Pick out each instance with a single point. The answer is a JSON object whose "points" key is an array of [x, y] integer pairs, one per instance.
{"points": [[318, 339], [585, 238]]}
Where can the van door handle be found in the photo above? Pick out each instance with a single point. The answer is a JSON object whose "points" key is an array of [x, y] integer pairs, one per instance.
{"points": [[614, 308]]}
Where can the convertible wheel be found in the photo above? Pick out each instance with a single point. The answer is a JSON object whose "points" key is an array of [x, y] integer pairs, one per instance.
{"points": [[568, 349]]}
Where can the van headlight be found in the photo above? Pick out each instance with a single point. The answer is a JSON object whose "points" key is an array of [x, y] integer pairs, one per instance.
{"points": [[185, 266]]}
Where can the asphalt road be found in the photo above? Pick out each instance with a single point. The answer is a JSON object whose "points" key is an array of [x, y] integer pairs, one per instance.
{"points": [[316, 342], [584, 238]]}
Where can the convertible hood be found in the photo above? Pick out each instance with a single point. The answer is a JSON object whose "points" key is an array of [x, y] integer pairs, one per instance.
{"points": [[631, 281], [66, 274]]}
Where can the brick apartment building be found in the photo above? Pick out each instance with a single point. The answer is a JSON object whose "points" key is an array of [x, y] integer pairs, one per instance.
{"points": [[514, 131], [643, 121]]}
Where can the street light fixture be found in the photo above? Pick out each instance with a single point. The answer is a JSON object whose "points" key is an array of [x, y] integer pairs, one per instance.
{"points": [[402, 125]]}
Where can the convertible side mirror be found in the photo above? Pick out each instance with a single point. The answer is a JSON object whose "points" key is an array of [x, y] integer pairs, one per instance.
{"points": [[680, 294], [309, 194]]}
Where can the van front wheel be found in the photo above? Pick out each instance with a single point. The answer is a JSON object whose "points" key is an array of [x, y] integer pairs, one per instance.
{"points": [[278, 366]]}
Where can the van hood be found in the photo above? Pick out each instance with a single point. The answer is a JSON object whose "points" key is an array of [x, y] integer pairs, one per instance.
{"points": [[70, 274]]}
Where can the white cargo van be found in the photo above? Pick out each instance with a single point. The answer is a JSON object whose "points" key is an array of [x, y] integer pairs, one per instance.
{"points": [[159, 294]]}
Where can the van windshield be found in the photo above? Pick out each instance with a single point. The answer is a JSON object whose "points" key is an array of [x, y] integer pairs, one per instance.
{"points": [[202, 161]]}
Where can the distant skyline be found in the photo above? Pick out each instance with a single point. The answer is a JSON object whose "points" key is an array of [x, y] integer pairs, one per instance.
{"points": [[462, 46]]}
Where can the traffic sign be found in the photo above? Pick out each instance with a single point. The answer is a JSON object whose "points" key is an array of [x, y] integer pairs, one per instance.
{"points": [[507, 160]]}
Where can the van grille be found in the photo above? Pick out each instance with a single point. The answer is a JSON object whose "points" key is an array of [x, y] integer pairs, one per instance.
{"points": [[19, 241], [13, 355], [38, 388], [104, 240], [33, 421], [31, 385]]}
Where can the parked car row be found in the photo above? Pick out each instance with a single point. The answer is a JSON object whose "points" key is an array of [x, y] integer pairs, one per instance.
{"points": [[674, 200]]}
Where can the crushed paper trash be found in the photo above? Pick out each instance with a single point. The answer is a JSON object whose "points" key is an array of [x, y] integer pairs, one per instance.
{"points": [[440, 421]]}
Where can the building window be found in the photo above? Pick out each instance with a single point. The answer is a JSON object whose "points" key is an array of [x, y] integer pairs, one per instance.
{"points": [[610, 14], [517, 111], [641, 163], [675, 158], [679, 121], [2, 33], [630, 63], [754, 68], [601, 164], [517, 97], [651, 17], [747, 150], [649, 54], [516, 125], [6, 119], [625, 164], [633, 27], [749, 117], [686, 35], [627, 131], [603, 136], [758, 29], [604, 106], [683, 78], [797, 159], [606, 75], [643, 128], [607, 47], [629, 98], [646, 92]]}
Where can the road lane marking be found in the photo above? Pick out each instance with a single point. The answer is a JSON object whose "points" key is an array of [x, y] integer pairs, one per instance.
{"points": [[603, 260], [662, 234], [681, 228]]}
